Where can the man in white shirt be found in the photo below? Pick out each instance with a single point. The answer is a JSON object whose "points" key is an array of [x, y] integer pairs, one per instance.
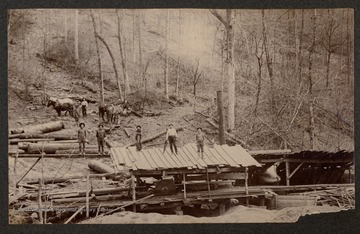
{"points": [[171, 135]]}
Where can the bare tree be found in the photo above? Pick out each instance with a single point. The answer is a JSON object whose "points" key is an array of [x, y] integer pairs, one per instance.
{"points": [[259, 52], [139, 20], [229, 23], [178, 60], [166, 69], [76, 40], [99, 59], [122, 54], [196, 74]]}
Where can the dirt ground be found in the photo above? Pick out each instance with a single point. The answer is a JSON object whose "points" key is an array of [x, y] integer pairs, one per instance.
{"points": [[238, 214]]}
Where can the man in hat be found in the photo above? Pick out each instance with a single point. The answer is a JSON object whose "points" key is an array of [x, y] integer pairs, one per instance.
{"points": [[171, 136], [82, 138], [100, 135], [138, 137], [200, 138], [84, 105]]}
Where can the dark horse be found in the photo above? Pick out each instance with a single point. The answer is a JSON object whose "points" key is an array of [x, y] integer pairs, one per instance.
{"points": [[107, 110], [65, 104]]}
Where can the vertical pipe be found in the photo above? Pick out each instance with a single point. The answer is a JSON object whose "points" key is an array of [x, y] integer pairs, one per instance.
{"points": [[221, 118], [87, 195], [40, 205], [287, 173]]}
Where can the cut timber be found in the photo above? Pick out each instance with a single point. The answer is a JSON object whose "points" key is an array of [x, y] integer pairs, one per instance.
{"points": [[136, 113], [269, 152], [57, 136], [50, 147], [89, 152], [33, 140], [100, 167], [127, 132], [40, 128], [232, 137], [153, 137]]}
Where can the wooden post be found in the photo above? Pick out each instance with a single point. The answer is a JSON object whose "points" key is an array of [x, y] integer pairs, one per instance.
{"points": [[15, 174], [246, 185], [184, 181], [133, 190], [40, 203], [87, 195], [73, 216], [221, 118], [207, 180], [28, 171], [287, 173]]}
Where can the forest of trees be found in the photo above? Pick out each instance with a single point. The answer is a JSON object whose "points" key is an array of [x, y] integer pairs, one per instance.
{"points": [[287, 75]]}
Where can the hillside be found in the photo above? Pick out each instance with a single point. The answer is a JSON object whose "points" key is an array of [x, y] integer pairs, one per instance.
{"points": [[40, 60]]}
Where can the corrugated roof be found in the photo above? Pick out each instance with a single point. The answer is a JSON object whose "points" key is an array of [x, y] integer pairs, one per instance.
{"points": [[155, 159]]}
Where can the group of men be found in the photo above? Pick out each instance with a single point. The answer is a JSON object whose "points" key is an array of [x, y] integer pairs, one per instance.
{"points": [[171, 138], [84, 104]]}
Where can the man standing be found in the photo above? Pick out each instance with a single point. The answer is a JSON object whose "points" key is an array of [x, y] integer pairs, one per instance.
{"points": [[138, 137], [171, 136], [84, 105], [82, 138], [200, 138], [100, 135]]}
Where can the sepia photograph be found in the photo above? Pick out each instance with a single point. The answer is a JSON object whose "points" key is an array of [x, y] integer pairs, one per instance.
{"points": [[168, 116]]}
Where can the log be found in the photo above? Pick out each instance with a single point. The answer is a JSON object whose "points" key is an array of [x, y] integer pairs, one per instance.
{"points": [[51, 147], [73, 216], [136, 113], [100, 167], [89, 152], [33, 140], [48, 180], [40, 128], [56, 136], [152, 137], [127, 131], [232, 137], [83, 199]]}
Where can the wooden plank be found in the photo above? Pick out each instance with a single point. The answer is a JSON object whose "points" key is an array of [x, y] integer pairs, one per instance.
{"points": [[149, 159], [217, 156], [166, 158], [211, 157], [140, 162], [205, 156], [225, 156], [192, 159], [181, 160], [170, 157], [195, 155], [159, 158], [185, 160], [252, 161], [114, 157], [120, 151], [234, 153], [221, 176], [193, 149], [157, 161], [127, 161]]}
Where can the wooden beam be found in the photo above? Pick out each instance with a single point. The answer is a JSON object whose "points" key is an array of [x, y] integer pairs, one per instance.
{"points": [[269, 152], [296, 169], [287, 169], [87, 195], [304, 160], [133, 191], [73, 216], [61, 155], [130, 203], [184, 182]]}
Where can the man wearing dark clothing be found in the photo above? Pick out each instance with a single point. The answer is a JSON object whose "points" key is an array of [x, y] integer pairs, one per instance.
{"points": [[100, 135], [84, 105], [138, 137], [200, 138], [171, 135], [82, 138]]}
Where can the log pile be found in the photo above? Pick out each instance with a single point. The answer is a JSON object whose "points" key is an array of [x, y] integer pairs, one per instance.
{"points": [[342, 197]]}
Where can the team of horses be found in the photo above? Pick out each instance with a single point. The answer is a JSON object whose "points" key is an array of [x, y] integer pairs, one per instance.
{"points": [[107, 112]]}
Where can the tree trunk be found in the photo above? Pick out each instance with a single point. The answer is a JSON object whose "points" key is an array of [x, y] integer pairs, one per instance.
{"points": [[311, 108], [66, 28], [141, 81], [123, 61], [113, 63], [269, 64], [99, 60], [259, 59], [76, 40], [52, 147], [40, 128], [133, 43], [221, 118], [348, 45], [230, 69], [100, 167], [178, 60], [300, 45], [166, 70]]}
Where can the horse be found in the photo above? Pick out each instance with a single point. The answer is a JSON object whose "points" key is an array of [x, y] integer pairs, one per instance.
{"points": [[64, 104], [118, 110], [106, 110]]}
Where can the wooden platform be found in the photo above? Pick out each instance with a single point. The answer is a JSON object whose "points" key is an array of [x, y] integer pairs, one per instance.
{"points": [[187, 158]]}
